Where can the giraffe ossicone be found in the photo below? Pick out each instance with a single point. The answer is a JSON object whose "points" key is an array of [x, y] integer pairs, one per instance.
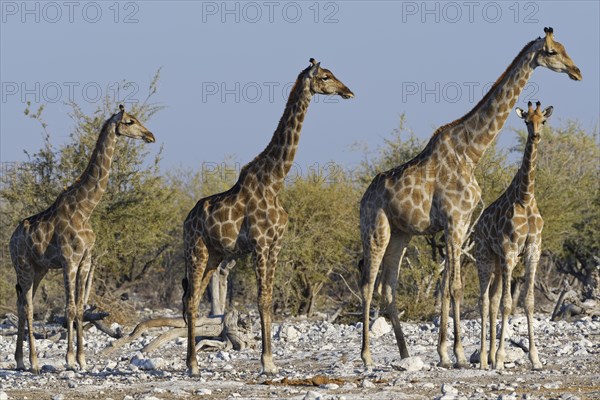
{"points": [[248, 218], [437, 191], [61, 237]]}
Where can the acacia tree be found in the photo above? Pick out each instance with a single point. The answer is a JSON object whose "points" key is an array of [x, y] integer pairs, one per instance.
{"points": [[321, 240]]}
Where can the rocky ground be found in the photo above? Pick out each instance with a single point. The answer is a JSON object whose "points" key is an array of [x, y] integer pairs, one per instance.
{"points": [[317, 360]]}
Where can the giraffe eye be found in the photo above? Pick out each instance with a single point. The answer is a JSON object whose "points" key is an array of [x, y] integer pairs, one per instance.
{"points": [[550, 52], [325, 78], [130, 122]]}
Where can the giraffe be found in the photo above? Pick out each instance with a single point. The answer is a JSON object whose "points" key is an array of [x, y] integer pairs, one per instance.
{"points": [[509, 227], [248, 218], [437, 191], [61, 237]]}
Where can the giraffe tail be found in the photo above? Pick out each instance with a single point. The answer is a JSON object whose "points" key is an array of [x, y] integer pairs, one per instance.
{"points": [[184, 300]]}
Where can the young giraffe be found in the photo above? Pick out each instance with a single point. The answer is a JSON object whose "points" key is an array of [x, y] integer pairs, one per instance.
{"points": [[61, 237], [437, 191], [248, 217], [511, 226]]}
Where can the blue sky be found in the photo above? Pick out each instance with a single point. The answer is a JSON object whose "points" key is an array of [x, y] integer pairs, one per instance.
{"points": [[226, 67]]}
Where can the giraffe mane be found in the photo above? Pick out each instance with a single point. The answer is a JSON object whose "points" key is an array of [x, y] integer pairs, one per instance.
{"points": [[488, 94], [429, 146], [77, 182], [245, 168]]}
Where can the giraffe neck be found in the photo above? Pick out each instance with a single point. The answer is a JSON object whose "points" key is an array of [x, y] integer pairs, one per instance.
{"points": [[525, 178], [91, 185], [272, 165], [483, 123]]}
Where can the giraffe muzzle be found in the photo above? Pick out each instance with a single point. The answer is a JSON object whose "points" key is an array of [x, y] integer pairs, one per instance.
{"points": [[575, 74], [149, 138], [347, 95]]}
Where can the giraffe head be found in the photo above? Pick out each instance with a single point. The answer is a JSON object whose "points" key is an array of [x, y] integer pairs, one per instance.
{"points": [[323, 81], [553, 55], [534, 118], [128, 125]]}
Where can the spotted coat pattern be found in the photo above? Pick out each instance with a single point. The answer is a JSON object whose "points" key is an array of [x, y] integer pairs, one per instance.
{"points": [[437, 191], [511, 227], [248, 218], [61, 237]]}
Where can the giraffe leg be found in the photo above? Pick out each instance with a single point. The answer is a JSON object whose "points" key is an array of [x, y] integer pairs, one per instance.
{"points": [[374, 246], [507, 269], [532, 257], [264, 309], [24, 274], [391, 267], [83, 273], [445, 311], [485, 271], [25, 294], [452, 291], [195, 260], [265, 304], [21, 309], [70, 311], [33, 359], [199, 268], [456, 293], [22, 284], [495, 294]]}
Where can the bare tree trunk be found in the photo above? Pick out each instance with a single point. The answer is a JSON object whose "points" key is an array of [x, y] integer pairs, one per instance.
{"points": [[591, 289], [218, 288], [517, 285], [314, 291]]}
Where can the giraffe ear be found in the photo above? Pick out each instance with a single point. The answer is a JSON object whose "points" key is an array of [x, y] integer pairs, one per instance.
{"points": [[313, 70], [521, 113], [548, 112]]}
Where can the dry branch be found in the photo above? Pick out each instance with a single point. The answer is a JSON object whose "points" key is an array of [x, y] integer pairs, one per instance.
{"points": [[224, 327], [88, 316]]}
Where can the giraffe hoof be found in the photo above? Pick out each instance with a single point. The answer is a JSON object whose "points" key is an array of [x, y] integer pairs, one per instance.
{"points": [[35, 371], [445, 364], [269, 374], [536, 367], [193, 372], [461, 365]]}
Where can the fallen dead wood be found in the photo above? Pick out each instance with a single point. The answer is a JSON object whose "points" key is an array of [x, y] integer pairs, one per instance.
{"points": [[569, 305], [88, 316], [520, 345], [105, 329], [43, 332], [224, 327]]}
